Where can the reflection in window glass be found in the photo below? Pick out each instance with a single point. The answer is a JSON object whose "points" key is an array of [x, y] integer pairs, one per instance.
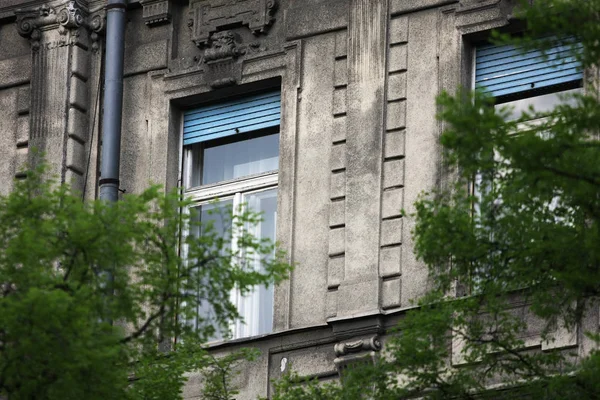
{"points": [[227, 161], [218, 214], [543, 103]]}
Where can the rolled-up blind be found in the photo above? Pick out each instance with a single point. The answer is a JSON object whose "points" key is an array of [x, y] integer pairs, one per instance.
{"points": [[228, 118], [506, 70]]}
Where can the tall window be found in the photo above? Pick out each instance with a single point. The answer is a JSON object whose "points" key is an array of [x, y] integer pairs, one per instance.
{"points": [[231, 158], [523, 79]]}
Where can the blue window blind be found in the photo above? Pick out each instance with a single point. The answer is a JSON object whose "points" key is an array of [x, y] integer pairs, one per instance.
{"points": [[506, 70], [228, 118]]}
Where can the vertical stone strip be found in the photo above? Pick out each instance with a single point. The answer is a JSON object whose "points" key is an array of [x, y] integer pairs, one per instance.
{"points": [[393, 165], [367, 48], [337, 205], [291, 89], [309, 153], [78, 124], [22, 133], [422, 147]]}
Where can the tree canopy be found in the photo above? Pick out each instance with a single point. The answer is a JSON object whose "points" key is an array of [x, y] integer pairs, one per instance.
{"points": [[512, 243], [93, 294]]}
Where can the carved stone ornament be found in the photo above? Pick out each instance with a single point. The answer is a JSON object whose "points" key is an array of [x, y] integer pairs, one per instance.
{"points": [[222, 68], [222, 46], [349, 354], [70, 16], [156, 12], [371, 344], [208, 16]]}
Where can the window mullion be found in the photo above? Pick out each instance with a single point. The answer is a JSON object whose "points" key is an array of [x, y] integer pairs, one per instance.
{"points": [[235, 296]]}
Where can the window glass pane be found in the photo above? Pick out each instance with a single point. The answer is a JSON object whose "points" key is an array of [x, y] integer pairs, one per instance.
{"points": [[216, 213], [257, 307], [219, 215], [235, 160], [544, 103]]}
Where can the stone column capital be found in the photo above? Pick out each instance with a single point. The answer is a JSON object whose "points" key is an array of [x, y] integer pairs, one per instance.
{"points": [[66, 16]]}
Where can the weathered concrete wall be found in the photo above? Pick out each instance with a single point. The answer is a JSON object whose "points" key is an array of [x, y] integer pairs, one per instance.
{"points": [[311, 208], [15, 75], [359, 138]]}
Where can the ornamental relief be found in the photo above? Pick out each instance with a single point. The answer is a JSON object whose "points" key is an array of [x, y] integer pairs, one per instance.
{"points": [[209, 16], [217, 27], [350, 354]]}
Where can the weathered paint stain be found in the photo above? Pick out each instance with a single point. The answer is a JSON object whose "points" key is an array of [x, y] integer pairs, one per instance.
{"points": [[367, 39], [367, 46]]}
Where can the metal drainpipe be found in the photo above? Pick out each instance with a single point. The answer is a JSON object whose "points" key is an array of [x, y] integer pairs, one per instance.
{"points": [[113, 100]]}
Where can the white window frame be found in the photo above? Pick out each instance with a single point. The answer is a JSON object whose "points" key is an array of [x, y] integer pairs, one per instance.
{"points": [[235, 189]]}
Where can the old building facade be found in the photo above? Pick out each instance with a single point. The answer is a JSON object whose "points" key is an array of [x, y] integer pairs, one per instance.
{"points": [[347, 138]]}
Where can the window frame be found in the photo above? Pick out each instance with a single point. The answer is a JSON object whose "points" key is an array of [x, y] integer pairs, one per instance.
{"points": [[235, 189]]}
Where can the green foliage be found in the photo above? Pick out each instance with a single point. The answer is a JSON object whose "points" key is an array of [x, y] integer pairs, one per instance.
{"points": [[511, 243], [88, 291], [221, 372]]}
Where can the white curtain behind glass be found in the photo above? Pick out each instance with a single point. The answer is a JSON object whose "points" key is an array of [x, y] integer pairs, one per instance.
{"points": [[256, 308]]}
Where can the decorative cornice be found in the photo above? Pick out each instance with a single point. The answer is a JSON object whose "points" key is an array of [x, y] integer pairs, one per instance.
{"points": [[156, 12], [470, 6], [70, 16]]}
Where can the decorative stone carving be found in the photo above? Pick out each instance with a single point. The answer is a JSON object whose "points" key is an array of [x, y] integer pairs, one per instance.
{"points": [[211, 22], [208, 16], [222, 46], [254, 48], [222, 68], [156, 12], [69, 17], [356, 352], [371, 344], [30, 21], [223, 72], [96, 23]]}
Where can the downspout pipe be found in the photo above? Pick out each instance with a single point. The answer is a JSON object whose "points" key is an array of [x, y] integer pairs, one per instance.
{"points": [[113, 100]]}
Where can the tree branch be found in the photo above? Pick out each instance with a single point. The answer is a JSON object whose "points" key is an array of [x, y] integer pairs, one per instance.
{"points": [[571, 175], [142, 329]]}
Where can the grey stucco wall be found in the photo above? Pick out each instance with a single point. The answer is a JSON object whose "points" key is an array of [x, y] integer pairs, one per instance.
{"points": [[359, 138], [15, 73]]}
